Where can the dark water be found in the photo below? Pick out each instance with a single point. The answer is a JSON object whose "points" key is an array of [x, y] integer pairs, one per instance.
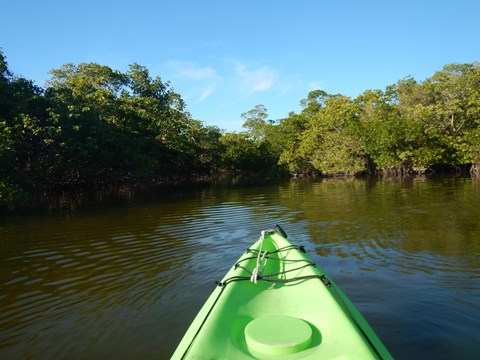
{"points": [[124, 280]]}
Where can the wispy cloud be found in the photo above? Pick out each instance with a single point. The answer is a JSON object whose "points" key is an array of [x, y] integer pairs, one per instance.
{"points": [[206, 92], [255, 80], [200, 81], [191, 71]]}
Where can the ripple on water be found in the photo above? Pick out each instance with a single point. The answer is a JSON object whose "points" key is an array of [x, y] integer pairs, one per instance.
{"points": [[104, 282]]}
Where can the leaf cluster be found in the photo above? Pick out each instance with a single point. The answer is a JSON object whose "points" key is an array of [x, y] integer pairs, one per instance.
{"points": [[95, 127], [408, 127]]}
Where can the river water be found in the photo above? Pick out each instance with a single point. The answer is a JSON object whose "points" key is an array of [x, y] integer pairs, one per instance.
{"points": [[123, 279]]}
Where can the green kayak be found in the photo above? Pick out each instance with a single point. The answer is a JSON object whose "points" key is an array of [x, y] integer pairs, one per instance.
{"points": [[276, 303]]}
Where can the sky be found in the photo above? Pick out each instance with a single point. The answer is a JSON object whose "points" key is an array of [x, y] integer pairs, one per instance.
{"points": [[226, 57]]}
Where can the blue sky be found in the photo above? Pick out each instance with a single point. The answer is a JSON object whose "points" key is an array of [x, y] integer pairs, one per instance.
{"points": [[225, 57]]}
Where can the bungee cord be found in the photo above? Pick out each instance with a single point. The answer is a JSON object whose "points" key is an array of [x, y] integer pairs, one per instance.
{"points": [[261, 261]]}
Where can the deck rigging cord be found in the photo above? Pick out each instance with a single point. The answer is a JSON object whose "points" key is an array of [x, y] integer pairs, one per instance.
{"points": [[256, 270], [262, 258]]}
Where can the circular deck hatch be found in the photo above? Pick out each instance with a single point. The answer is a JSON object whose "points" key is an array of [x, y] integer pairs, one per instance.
{"points": [[278, 335]]}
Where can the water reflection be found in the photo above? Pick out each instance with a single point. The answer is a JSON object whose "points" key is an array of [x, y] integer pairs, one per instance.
{"points": [[124, 279]]}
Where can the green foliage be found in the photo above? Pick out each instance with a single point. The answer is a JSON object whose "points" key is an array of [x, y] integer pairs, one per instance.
{"points": [[286, 142], [408, 127], [314, 102], [255, 121], [330, 143], [243, 155], [94, 126], [12, 196], [444, 110], [383, 133]]}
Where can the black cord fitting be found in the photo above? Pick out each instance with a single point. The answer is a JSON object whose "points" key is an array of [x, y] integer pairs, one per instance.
{"points": [[325, 281]]}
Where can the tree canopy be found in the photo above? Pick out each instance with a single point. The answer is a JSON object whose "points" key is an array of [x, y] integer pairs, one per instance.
{"points": [[408, 127], [93, 126]]}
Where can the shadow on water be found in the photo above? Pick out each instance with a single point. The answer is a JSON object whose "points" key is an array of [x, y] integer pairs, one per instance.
{"points": [[124, 276]]}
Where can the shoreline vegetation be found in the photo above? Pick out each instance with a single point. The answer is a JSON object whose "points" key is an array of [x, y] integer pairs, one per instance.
{"points": [[93, 128]]}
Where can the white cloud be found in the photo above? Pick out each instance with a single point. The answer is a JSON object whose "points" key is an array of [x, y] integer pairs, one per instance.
{"points": [[196, 82], [255, 80], [191, 71], [206, 92]]}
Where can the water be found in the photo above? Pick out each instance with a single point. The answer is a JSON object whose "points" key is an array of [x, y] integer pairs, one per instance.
{"points": [[125, 279]]}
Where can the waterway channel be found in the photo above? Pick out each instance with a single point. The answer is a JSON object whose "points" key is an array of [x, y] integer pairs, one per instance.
{"points": [[123, 279]]}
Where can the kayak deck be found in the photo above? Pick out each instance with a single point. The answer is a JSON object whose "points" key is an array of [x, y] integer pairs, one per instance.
{"points": [[290, 309]]}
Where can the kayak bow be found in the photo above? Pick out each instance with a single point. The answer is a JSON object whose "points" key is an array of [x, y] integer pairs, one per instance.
{"points": [[275, 302]]}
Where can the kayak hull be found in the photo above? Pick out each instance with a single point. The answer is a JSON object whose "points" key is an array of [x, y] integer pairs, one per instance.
{"points": [[291, 309]]}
